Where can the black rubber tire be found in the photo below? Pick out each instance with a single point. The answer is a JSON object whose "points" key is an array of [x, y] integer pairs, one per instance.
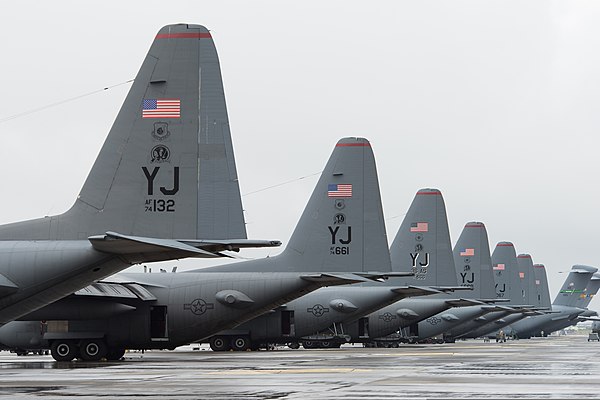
{"points": [[220, 343], [240, 343], [64, 350], [115, 353], [294, 345], [92, 349], [309, 344]]}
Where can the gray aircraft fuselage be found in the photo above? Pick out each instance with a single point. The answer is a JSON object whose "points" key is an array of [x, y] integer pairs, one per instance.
{"points": [[187, 307], [319, 310]]}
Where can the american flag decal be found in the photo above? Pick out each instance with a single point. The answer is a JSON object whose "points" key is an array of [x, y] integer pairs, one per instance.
{"points": [[339, 190], [468, 253], [161, 108], [419, 227], [499, 267]]}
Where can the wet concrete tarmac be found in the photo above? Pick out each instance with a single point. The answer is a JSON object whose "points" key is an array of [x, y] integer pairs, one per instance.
{"points": [[556, 367]]}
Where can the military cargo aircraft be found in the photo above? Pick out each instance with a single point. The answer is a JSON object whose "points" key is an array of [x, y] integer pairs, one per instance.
{"points": [[166, 310], [563, 307], [164, 185], [582, 302], [421, 246], [534, 287], [508, 285], [473, 268]]}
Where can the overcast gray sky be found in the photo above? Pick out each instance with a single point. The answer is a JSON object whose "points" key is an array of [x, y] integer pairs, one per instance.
{"points": [[495, 103]]}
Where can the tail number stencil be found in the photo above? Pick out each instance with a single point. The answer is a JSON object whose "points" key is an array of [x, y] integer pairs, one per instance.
{"points": [[160, 205], [419, 268], [335, 249], [467, 281], [500, 292]]}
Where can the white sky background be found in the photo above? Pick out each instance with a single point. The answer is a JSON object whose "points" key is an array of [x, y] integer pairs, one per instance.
{"points": [[495, 103]]}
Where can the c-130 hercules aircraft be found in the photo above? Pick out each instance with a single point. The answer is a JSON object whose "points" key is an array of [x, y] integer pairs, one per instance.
{"points": [[164, 185]]}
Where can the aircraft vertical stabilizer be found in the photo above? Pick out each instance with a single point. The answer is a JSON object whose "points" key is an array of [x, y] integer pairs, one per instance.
{"points": [[422, 244], [342, 227], [526, 279], [473, 261], [589, 292], [166, 169], [504, 265], [541, 285], [574, 285]]}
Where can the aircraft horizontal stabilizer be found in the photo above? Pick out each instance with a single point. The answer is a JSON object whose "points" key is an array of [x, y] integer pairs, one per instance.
{"points": [[329, 279], [463, 302], [498, 308], [382, 276], [215, 246], [415, 290], [494, 300], [451, 288], [7, 286], [115, 243], [588, 318]]}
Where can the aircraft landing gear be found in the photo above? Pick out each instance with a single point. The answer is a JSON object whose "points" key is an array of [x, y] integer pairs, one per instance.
{"points": [[115, 354], [220, 343], [64, 350], [92, 349], [240, 343]]}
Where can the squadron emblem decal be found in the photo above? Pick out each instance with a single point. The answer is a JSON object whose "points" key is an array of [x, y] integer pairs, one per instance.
{"points": [[161, 131], [160, 154]]}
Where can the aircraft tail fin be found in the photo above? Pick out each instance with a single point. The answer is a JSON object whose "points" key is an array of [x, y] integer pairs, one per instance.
{"points": [[504, 265], [473, 261], [166, 169], [342, 227], [542, 299], [574, 285], [590, 291], [422, 244], [526, 276]]}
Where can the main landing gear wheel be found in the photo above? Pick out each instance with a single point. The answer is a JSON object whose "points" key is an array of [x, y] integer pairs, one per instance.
{"points": [[63, 350], [219, 343], [240, 343], [92, 350], [115, 354]]}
